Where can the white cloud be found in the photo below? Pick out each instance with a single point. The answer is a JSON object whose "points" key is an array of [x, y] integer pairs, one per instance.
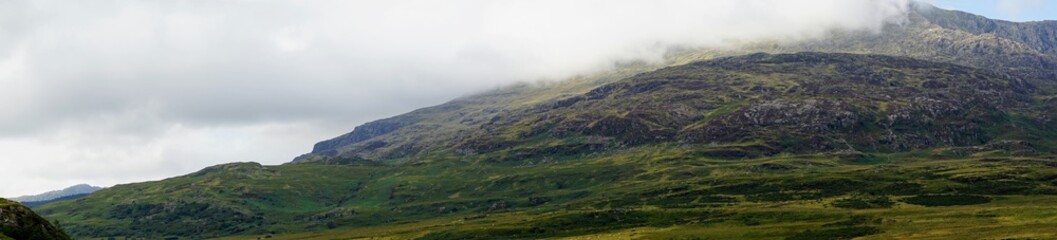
{"points": [[113, 91]]}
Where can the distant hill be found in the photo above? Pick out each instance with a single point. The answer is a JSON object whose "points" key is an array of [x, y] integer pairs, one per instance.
{"points": [[79, 189], [17, 222], [66, 198]]}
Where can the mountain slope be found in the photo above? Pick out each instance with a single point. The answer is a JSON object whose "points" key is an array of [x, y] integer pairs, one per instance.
{"points": [[806, 102], [950, 36], [19, 223], [79, 189], [1040, 36], [929, 33]]}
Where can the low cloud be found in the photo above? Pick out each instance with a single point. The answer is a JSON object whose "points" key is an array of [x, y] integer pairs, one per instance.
{"points": [[113, 91]]}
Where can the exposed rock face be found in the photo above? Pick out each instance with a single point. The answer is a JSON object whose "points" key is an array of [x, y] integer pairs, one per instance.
{"points": [[364, 132], [20, 223]]}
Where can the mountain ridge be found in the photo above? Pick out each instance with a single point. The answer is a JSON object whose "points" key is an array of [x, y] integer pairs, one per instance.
{"points": [[65, 192], [1040, 35]]}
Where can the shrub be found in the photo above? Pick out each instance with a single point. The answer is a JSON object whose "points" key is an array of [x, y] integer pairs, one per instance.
{"points": [[946, 200], [835, 234], [863, 202]]}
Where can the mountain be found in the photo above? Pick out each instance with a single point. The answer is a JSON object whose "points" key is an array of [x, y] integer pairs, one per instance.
{"points": [[42, 203], [1021, 49], [801, 103], [929, 34], [939, 127], [1039, 36], [17, 222], [79, 189]]}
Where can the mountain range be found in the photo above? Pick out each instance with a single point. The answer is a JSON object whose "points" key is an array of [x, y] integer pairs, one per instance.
{"points": [[947, 119], [79, 189]]}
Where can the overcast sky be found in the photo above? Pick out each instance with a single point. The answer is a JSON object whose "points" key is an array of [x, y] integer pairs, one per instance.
{"points": [[115, 91]]}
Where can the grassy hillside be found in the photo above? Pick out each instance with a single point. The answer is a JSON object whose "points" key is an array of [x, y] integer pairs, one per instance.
{"points": [[654, 192], [17, 222], [792, 197]]}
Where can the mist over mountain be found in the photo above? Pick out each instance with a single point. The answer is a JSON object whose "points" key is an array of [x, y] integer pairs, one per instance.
{"points": [[1020, 49], [123, 91], [913, 115]]}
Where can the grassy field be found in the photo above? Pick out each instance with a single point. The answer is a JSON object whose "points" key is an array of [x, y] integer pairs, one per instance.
{"points": [[1008, 217]]}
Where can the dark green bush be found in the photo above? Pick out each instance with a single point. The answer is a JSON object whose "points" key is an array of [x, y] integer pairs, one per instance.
{"points": [[946, 200], [863, 202], [835, 234]]}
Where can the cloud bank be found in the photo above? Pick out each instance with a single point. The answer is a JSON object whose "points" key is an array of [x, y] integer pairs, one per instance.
{"points": [[114, 91]]}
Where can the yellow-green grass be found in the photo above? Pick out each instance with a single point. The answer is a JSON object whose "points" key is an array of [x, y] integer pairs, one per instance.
{"points": [[1008, 217]]}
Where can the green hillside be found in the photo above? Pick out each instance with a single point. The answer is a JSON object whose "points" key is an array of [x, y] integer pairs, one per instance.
{"points": [[18, 222], [655, 192], [942, 127]]}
